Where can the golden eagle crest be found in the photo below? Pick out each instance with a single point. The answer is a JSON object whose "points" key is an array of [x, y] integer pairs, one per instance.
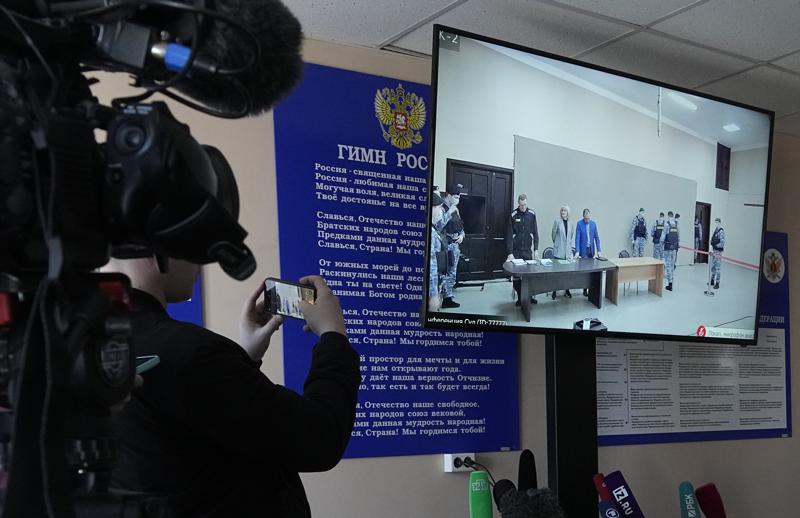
{"points": [[774, 268], [401, 115]]}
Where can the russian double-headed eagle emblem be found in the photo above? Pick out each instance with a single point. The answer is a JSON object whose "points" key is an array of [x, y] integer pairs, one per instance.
{"points": [[401, 115], [774, 267]]}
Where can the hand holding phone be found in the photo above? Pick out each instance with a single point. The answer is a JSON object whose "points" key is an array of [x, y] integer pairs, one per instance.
{"points": [[326, 315]]}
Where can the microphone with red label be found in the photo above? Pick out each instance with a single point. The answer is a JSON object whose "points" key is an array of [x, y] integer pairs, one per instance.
{"points": [[605, 506], [710, 501]]}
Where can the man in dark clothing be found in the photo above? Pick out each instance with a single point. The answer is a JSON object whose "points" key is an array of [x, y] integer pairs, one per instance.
{"points": [[522, 238], [698, 237], [208, 430]]}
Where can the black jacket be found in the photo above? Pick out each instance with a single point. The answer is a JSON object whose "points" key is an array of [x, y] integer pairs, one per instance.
{"points": [[214, 435], [522, 232]]}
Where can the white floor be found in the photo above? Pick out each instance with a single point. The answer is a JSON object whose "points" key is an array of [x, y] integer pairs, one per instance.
{"points": [[678, 312]]}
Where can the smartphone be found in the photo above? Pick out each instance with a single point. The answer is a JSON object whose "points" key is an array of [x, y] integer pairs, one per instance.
{"points": [[145, 363], [283, 297]]}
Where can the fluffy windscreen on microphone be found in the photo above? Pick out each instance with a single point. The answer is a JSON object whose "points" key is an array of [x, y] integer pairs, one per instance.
{"points": [[275, 72], [533, 503], [502, 487]]}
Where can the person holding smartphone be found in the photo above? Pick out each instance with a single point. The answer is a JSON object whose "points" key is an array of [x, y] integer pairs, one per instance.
{"points": [[209, 432]]}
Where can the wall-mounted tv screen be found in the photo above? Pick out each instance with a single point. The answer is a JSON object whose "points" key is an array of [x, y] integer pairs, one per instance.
{"points": [[567, 197]]}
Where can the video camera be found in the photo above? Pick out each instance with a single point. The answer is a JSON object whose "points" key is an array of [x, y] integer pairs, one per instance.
{"points": [[69, 202]]}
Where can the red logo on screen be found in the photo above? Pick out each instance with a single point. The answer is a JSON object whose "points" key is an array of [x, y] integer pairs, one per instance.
{"points": [[701, 331]]}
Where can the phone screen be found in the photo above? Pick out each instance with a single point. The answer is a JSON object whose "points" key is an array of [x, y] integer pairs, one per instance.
{"points": [[283, 298]]}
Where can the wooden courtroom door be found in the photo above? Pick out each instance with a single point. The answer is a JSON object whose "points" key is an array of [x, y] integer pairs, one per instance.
{"points": [[485, 210]]}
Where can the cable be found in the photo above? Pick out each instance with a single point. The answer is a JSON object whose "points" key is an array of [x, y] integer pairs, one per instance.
{"points": [[255, 46], [163, 87], [12, 17], [210, 111], [468, 462]]}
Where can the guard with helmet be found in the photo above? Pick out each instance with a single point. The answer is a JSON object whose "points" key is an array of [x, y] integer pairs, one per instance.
{"points": [[672, 239]]}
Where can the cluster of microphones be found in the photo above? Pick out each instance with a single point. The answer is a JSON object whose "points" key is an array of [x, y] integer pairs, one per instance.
{"points": [[523, 500], [617, 500]]}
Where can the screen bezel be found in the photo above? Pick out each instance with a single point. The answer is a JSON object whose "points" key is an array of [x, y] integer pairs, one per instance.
{"points": [[437, 28]]}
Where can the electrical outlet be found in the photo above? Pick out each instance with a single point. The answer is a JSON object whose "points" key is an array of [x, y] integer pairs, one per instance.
{"points": [[454, 462]]}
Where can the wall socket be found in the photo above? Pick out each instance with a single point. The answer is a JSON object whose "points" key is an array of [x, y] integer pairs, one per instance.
{"points": [[454, 462]]}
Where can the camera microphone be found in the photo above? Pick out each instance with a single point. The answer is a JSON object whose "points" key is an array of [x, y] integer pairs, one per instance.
{"points": [[277, 66], [247, 52]]}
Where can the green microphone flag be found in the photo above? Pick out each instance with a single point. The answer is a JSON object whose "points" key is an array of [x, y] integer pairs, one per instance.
{"points": [[480, 495]]}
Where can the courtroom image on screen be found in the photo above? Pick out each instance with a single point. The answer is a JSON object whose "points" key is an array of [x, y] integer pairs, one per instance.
{"points": [[578, 199]]}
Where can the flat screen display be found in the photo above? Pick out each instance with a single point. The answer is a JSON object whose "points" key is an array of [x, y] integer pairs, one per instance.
{"points": [[572, 198]]}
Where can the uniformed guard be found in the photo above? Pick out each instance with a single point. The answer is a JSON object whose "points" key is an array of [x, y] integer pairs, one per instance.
{"points": [[454, 236], [639, 233], [698, 237], [434, 298], [657, 234], [672, 240], [717, 247], [522, 238]]}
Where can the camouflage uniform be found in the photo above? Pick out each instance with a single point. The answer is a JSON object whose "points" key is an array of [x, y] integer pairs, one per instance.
{"points": [[453, 229], [638, 235], [433, 273], [717, 247], [658, 238], [671, 244]]}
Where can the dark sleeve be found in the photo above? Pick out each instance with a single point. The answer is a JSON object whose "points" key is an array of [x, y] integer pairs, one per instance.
{"points": [[535, 234], [510, 235], [234, 405]]}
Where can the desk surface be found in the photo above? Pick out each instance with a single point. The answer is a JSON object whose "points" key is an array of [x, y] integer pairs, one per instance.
{"points": [[622, 262], [578, 266]]}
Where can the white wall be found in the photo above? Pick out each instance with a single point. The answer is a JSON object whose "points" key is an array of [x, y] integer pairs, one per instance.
{"points": [[537, 105], [743, 221], [558, 175]]}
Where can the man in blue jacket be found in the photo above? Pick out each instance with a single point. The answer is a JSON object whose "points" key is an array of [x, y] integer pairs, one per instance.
{"points": [[587, 240]]}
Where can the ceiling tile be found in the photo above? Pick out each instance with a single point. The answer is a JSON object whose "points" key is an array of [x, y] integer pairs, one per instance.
{"points": [[540, 26], [790, 125], [663, 59], [791, 62], [640, 13], [359, 22], [757, 29], [764, 87]]}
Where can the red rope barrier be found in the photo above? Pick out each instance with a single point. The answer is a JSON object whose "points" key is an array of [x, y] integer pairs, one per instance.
{"points": [[728, 259]]}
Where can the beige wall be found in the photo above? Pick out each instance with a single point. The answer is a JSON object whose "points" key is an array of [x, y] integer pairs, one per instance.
{"points": [[756, 478]]}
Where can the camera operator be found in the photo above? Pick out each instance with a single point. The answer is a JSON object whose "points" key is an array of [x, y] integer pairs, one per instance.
{"points": [[208, 430]]}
